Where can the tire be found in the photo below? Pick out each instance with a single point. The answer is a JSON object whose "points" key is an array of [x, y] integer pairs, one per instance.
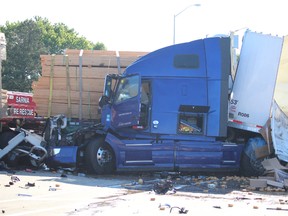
{"points": [[99, 157], [250, 165]]}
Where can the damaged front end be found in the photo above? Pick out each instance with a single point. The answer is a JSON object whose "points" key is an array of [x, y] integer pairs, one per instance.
{"points": [[58, 145], [21, 146], [67, 142]]}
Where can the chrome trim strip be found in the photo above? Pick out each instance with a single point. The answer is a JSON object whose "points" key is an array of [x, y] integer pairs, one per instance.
{"points": [[140, 161]]}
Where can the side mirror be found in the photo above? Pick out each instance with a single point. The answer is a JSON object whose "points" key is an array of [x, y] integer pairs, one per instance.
{"points": [[104, 100]]}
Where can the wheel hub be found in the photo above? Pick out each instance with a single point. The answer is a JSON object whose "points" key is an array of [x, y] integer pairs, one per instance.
{"points": [[103, 156]]}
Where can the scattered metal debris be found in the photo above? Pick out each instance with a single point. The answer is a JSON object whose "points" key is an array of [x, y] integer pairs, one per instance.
{"points": [[163, 186], [30, 184], [181, 210], [25, 195], [282, 209]]}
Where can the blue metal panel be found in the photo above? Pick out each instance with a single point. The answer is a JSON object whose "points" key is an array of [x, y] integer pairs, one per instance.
{"points": [[171, 93], [64, 155], [142, 154], [198, 154], [174, 155], [207, 155], [218, 68]]}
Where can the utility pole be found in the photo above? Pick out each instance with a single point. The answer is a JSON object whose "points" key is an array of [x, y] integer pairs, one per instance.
{"points": [[2, 57]]}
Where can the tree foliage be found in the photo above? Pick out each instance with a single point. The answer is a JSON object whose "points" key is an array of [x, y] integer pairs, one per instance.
{"points": [[29, 39]]}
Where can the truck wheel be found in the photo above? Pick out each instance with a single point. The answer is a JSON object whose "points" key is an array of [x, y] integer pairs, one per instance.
{"points": [[250, 165], [99, 157]]}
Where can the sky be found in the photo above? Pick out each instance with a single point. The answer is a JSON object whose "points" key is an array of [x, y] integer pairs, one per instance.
{"points": [[147, 25]]}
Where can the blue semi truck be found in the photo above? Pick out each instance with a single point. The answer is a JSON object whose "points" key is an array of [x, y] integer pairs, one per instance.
{"points": [[171, 110]]}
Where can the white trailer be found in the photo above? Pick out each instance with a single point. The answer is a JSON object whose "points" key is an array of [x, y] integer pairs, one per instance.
{"points": [[253, 89]]}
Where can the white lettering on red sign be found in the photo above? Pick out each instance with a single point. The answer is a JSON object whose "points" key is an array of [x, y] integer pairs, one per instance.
{"points": [[20, 99], [23, 112]]}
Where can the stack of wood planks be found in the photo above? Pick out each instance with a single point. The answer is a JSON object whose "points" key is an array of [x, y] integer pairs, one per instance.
{"points": [[3, 102], [71, 84]]}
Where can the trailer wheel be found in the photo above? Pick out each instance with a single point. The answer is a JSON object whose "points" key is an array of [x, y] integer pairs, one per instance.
{"points": [[250, 165], [99, 157]]}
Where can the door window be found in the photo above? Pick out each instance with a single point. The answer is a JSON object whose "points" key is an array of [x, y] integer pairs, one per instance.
{"points": [[128, 88]]}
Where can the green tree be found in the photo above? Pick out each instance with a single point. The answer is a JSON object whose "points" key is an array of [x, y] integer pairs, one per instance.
{"points": [[23, 48], [58, 37], [27, 40]]}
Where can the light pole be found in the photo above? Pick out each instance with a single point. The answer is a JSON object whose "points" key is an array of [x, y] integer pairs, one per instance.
{"points": [[175, 15]]}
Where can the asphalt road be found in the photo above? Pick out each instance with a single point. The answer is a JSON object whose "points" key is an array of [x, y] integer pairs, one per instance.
{"points": [[47, 193]]}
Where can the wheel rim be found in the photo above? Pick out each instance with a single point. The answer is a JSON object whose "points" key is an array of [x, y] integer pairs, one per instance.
{"points": [[103, 156]]}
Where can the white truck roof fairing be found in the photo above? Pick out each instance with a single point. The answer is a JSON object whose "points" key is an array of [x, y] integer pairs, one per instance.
{"points": [[253, 89]]}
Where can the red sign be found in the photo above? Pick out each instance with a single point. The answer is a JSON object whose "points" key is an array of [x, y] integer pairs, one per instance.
{"points": [[20, 98], [20, 104]]}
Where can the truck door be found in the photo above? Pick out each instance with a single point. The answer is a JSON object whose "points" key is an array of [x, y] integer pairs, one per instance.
{"points": [[126, 104]]}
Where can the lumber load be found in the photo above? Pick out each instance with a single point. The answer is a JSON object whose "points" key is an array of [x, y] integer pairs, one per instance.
{"points": [[3, 96], [72, 83], [3, 102]]}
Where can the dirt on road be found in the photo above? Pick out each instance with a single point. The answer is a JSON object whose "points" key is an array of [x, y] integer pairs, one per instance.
{"points": [[30, 192]]}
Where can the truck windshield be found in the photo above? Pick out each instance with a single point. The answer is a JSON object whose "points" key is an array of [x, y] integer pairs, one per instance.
{"points": [[128, 87]]}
